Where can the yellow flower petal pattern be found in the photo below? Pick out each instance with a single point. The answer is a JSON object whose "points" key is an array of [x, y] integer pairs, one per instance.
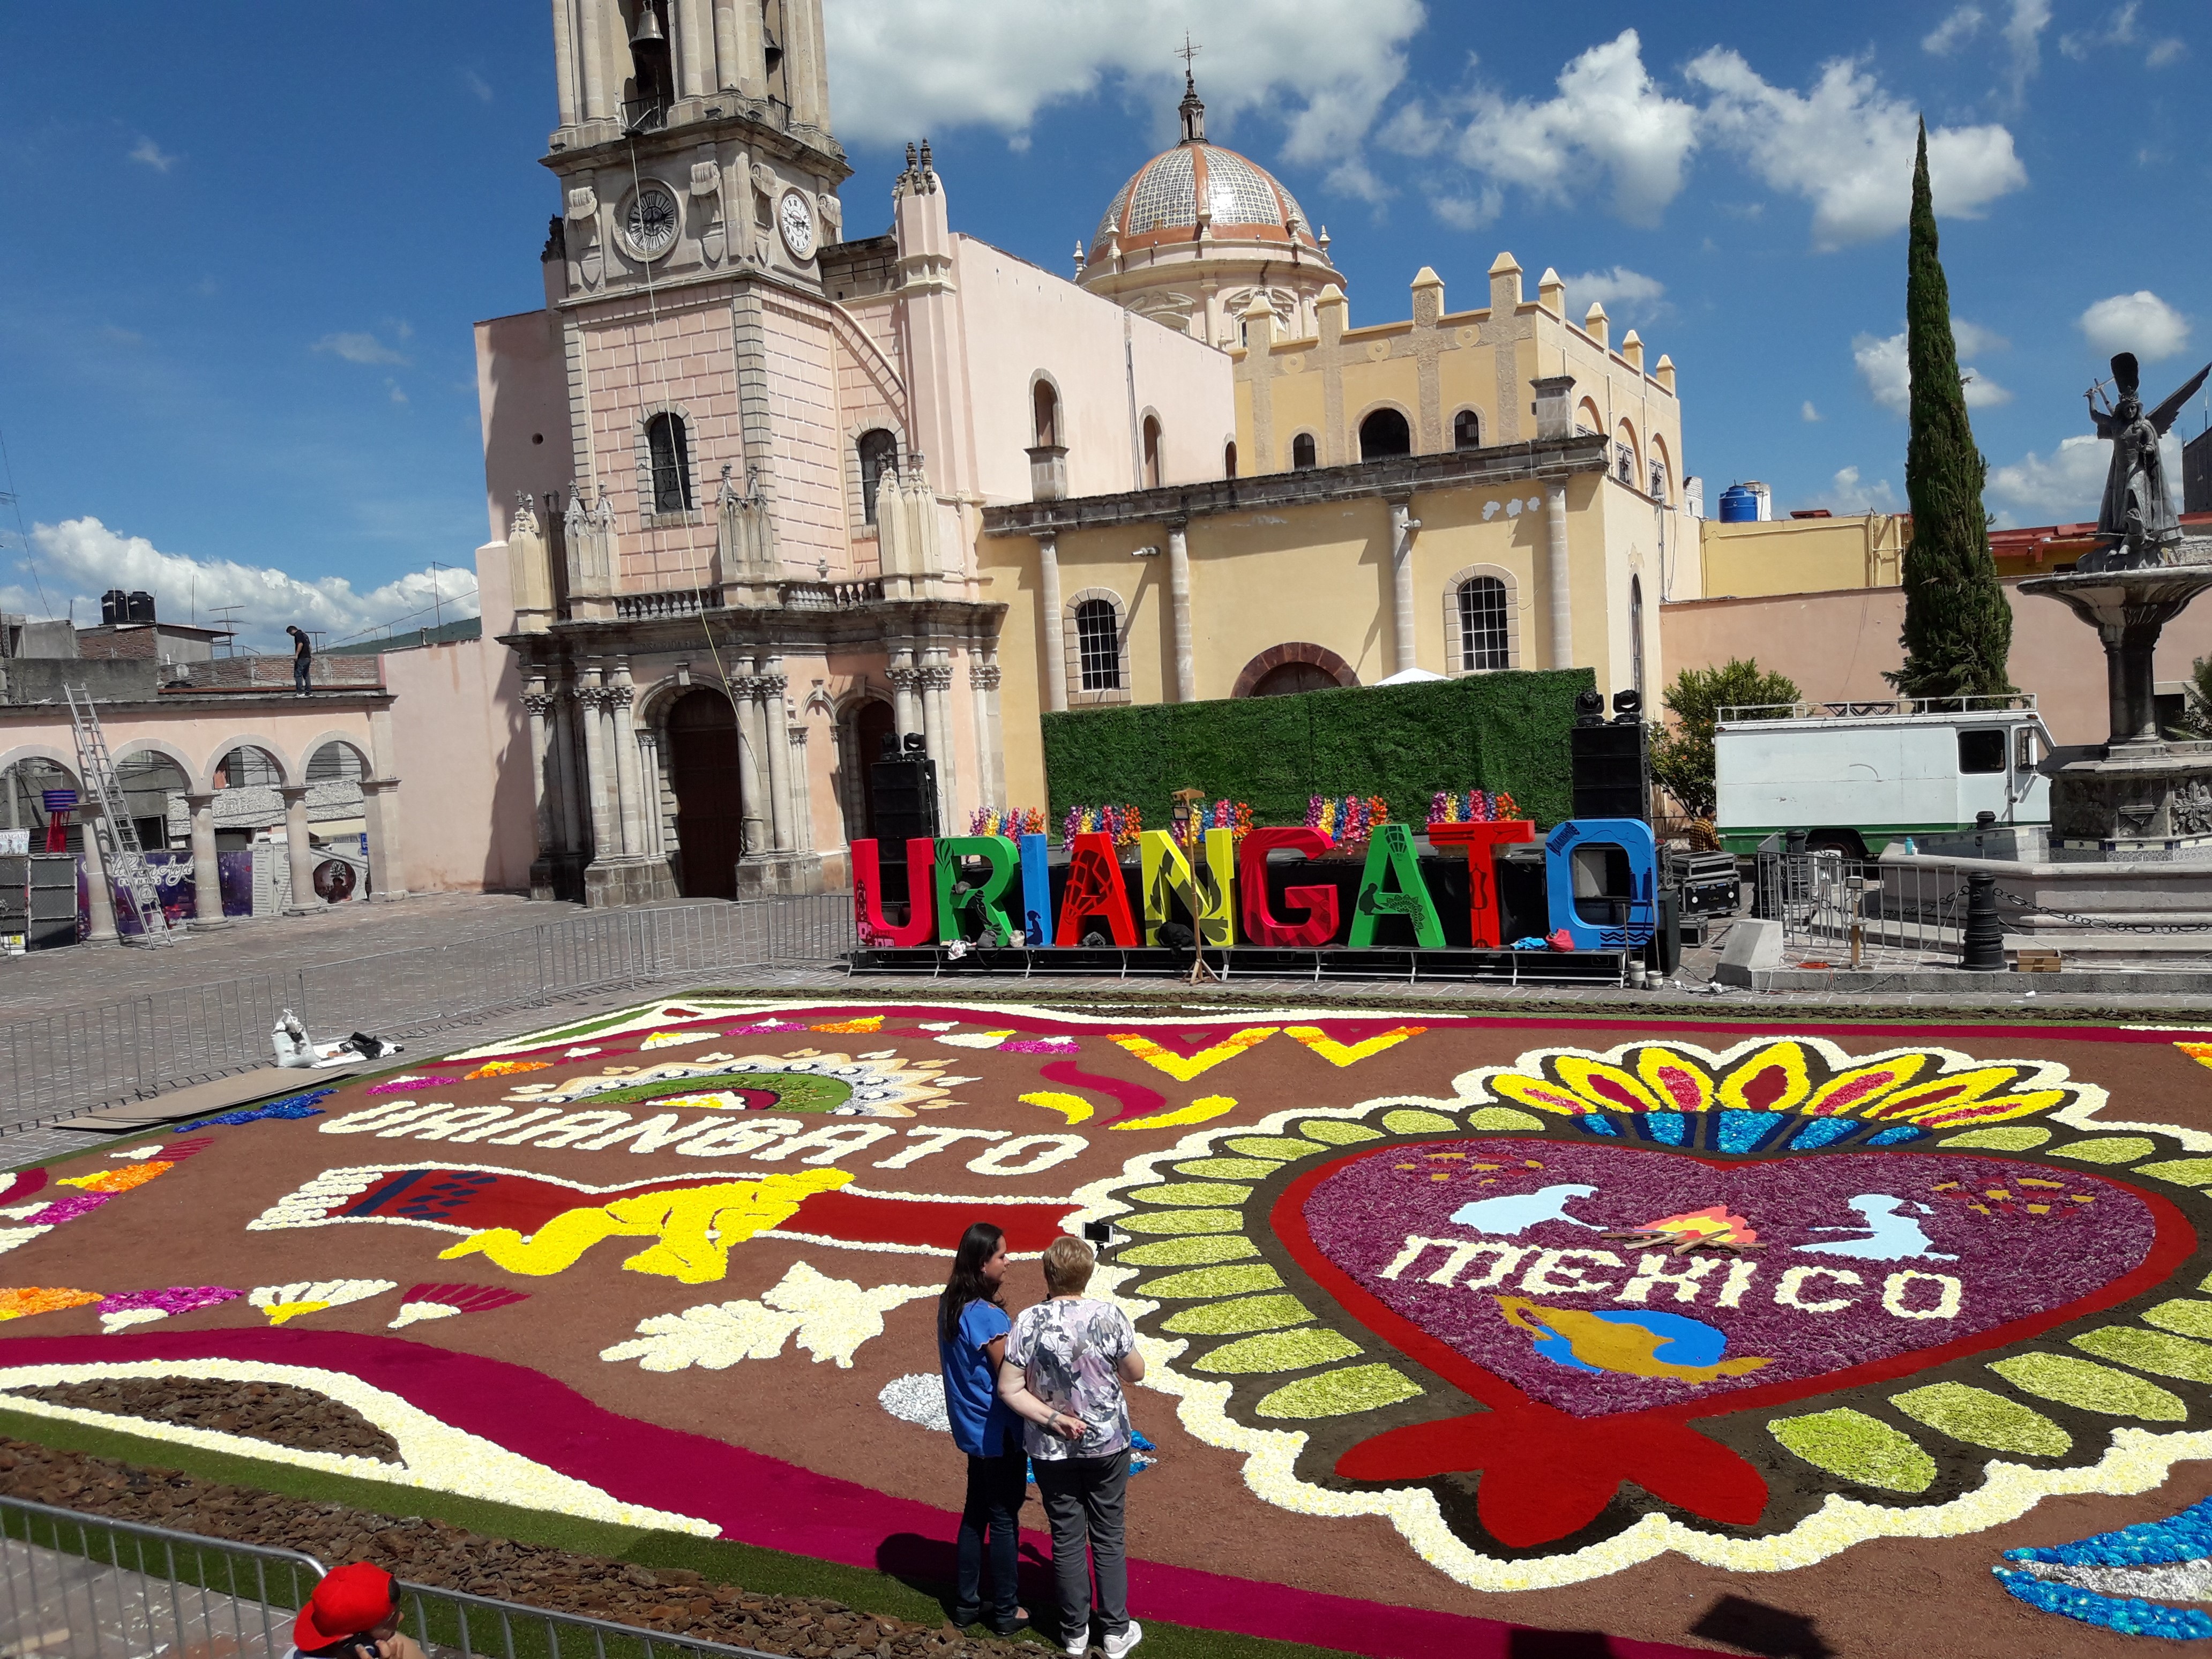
{"points": [[1199, 1110], [1187, 1068], [1350, 1054], [1074, 1108]]}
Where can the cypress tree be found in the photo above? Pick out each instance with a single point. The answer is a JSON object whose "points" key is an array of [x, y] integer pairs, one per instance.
{"points": [[1958, 628]]}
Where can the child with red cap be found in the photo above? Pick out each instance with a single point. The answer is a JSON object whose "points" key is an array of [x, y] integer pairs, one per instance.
{"points": [[353, 1614]]}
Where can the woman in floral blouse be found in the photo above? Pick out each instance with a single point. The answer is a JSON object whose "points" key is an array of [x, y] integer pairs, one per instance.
{"points": [[1065, 1362]]}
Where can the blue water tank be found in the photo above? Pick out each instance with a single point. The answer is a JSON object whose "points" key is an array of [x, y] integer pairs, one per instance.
{"points": [[1739, 506]]}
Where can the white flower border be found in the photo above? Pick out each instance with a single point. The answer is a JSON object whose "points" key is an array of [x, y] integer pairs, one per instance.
{"points": [[436, 1456], [2137, 1461]]}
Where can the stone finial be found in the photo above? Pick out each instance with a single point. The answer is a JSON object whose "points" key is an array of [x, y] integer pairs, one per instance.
{"points": [[1428, 297], [1081, 258], [1551, 292], [1595, 324], [1504, 285], [1665, 373], [1332, 312], [1632, 347], [1259, 322]]}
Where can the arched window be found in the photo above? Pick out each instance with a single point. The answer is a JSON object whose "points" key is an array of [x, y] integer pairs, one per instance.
{"points": [[1624, 454], [1467, 430], [1384, 434], [1152, 452], [1587, 419], [1302, 451], [1045, 402], [1098, 645], [671, 463], [1485, 624], [1636, 633], [1228, 459], [1658, 480], [878, 453]]}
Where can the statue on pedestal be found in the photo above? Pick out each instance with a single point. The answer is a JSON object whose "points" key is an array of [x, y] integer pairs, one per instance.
{"points": [[2138, 525]]}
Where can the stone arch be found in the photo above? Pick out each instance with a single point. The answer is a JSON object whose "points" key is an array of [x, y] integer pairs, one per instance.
{"points": [[856, 484], [1229, 455], [1152, 448], [1386, 407], [1467, 423], [10, 758], [1043, 433], [1294, 651], [1628, 454], [860, 719], [1455, 651], [1588, 419], [1071, 633], [1659, 468], [703, 736], [694, 472], [163, 747], [203, 782], [1305, 458], [322, 740]]}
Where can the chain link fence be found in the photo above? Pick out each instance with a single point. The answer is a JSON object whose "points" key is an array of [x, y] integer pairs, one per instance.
{"points": [[131, 1048], [90, 1588]]}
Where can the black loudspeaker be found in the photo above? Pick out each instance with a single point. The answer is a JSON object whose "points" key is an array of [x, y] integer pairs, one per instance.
{"points": [[904, 791], [1612, 770]]}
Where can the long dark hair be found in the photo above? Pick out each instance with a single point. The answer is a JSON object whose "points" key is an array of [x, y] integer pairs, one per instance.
{"points": [[977, 1245]]}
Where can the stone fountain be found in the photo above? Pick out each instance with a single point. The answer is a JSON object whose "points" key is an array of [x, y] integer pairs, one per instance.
{"points": [[2141, 798]]}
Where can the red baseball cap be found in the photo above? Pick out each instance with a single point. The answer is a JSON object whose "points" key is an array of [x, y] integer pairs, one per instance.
{"points": [[351, 1600]]}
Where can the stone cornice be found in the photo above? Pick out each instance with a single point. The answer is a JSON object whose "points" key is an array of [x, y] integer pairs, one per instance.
{"points": [[1397, 478]]}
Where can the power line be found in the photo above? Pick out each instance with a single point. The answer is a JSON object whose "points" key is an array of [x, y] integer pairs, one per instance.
{"points": [[23, 534]]}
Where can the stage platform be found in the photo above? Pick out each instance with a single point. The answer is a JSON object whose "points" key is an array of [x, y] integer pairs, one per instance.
{"points": [[1248, 962]]}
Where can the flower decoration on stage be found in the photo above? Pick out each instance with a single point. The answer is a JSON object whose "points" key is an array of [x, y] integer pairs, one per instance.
{"points": [[424, 1302], [1592, 1307], [1351, 820], [1123, 824], [830, 1318], [1472, 807], [20, 1303], [1014, 822], [1235, 816], [284, 1302], [129, 1308]]}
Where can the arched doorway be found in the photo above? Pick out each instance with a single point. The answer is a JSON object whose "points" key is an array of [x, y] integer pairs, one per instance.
{"points": [[1293, 677], [703, 763], [1384, 434], [871, 728]]}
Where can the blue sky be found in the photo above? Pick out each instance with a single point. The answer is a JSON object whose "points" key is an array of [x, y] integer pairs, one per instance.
{"points": [[249, 243]]}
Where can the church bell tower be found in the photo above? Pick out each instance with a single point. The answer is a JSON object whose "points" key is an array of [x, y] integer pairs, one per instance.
{"points": [[694, 142]]}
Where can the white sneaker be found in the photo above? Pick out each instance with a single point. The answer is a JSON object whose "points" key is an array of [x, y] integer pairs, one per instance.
{"points": [[1117, 1647], [1079, 1649]]}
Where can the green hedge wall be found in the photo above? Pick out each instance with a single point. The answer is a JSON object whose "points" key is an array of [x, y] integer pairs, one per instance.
{"points": [[1503, 731]]}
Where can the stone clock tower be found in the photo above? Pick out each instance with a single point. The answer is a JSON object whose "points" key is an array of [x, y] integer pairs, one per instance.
{"points": [[694, 141]]}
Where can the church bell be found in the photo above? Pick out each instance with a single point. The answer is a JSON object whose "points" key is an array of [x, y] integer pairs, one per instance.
{"points": [[646, 34]]}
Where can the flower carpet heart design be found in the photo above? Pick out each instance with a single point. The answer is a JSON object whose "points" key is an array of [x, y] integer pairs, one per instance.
{"points": [[1594, 1306]]}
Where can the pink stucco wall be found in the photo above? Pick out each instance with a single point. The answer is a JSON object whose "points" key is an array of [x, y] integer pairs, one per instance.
{"points": [[522, 398], [1836, 645]]}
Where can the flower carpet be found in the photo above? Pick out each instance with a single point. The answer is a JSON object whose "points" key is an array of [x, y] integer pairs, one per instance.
{"points": [[1454, 1326]]}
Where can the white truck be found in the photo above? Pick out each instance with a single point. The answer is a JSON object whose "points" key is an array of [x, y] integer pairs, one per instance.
{"points": [[1858, 775]]}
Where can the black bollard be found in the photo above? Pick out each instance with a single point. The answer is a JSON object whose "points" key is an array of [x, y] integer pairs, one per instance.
{"points": [[1984, 937]]}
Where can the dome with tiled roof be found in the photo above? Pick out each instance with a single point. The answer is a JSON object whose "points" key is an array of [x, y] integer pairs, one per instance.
{"points": [[1198, 231], [1164, 197]]}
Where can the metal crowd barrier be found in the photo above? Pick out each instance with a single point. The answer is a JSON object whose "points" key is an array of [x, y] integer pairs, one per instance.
{"points": [[88, 1587], [65, 1063], [1861, 910]]}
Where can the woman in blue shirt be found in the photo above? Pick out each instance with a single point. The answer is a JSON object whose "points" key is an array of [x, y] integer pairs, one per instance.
{"points": [[971, 1342]]}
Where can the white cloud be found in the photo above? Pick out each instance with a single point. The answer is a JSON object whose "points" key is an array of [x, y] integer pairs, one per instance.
{"points": [[1323, 69], [2162, 53], [83, 558], [2023, 38], [1883, 366], [151, 154], [392, 385], [2065, 486], [1848, 493], [1973, 338], [1846, 146], [1810, 414], [2139, 322], [2118, 29], [1626, 294], [357, 348], [1953, 32], [122, 337], [1467, 212], [1609, 117], [477, 84]]}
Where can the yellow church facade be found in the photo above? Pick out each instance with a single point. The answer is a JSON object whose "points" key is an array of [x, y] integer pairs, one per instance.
{"points": [[1453, 492]]}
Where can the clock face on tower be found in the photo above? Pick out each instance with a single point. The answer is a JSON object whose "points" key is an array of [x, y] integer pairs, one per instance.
{"points": [[796, 220], [650, 225]]}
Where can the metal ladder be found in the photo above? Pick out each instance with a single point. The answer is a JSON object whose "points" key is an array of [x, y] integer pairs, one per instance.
{"points": [[118, 836]]}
